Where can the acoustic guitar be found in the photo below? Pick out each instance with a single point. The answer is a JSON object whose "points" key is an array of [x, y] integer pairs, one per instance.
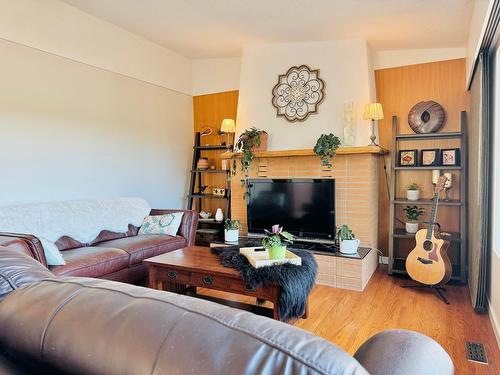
{"points": [[428, 262]]}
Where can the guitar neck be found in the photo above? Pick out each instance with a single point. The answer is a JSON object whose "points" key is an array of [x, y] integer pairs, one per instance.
{"points": [[430, 229]]}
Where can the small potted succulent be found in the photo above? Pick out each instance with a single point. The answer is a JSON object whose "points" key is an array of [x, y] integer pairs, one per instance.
{"points": [[412, 215], [348, 242], [412, 192], [232, 230], [276, 242]]}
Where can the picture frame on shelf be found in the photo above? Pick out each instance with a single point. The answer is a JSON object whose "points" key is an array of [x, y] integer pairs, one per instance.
{"points": [[450, 157], [430, 157], [408, 158]]}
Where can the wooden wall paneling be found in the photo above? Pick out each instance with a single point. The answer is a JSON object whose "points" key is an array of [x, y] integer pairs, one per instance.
{"points": [[209, 111], [398, 89]]}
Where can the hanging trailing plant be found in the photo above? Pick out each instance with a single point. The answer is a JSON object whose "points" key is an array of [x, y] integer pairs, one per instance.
{"points": [[326, 148], [247, 143]]}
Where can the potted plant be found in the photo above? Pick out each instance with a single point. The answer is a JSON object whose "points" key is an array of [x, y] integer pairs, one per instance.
{"points": [[412, 215], [326, 148], [348, 242], [276, 242], [249, 141], [412, 192], [232, 230]]}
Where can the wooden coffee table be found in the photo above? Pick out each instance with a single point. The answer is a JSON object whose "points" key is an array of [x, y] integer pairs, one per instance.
{"points": [[183, 270]]}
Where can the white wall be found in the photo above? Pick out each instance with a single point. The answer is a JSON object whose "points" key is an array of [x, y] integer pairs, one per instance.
{"points": [[73, 131], [215, 75], [344, 67], [479, 19], [58, 28], [395, 58]]}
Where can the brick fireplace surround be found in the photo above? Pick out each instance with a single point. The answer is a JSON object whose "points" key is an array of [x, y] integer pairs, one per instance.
{"points": [[356, 174]]}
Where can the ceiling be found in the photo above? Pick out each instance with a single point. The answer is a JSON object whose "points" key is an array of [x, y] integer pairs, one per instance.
{"points": [[219, 28]]}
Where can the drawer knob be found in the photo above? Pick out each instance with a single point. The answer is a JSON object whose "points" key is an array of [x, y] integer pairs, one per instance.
{"points": [[249, 288], [208, 280], [172, 274]]}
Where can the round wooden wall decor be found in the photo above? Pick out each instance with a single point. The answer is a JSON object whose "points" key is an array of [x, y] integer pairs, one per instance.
{"points": [[426, 117], [298, 93]]}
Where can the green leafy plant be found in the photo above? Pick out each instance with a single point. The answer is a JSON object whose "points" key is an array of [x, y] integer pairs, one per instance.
{"points": [[345, 233], [277, 237], [326, 148], [413, 212], [247, 142], [232, 224], [412, 186]]}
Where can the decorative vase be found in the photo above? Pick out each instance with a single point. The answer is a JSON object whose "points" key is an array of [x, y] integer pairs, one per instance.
{"points": [[202, 164], [277, 252], [349, 246], [218, 215], [264, 137], [231, 235], [412, 195], [411, 227]]}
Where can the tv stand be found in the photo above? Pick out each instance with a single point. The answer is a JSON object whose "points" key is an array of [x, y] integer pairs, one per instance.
{"points": [[334, 268]]}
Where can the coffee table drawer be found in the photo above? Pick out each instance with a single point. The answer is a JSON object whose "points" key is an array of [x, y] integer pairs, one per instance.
{"points": [[207, 280], [174, 276]]}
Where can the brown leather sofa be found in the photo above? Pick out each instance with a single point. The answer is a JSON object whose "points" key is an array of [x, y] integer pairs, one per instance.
{"points": [[75, 325], [112, 256]]}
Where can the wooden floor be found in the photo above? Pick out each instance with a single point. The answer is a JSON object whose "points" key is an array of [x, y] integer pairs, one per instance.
{"points": [[349, 318]]}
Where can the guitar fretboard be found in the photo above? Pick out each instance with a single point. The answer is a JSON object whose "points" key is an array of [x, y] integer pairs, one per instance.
{"points": [[432, 222]]}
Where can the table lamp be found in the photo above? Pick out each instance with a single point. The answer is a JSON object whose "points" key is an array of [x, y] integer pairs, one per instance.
{"points": [[227, 126], [373, 111]]}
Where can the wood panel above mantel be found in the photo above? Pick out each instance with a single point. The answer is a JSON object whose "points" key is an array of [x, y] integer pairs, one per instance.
{"points": [[309, 152]]}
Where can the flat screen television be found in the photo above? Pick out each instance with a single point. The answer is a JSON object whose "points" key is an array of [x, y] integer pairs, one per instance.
{"points": [[304, 207]]}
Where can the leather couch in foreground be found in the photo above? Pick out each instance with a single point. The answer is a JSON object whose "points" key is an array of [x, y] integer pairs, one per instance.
{"points": [[88, 326], [112, 256]]}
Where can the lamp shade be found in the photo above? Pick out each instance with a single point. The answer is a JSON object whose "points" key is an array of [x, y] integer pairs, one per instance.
{"points": [[373, 111], [228, 126]]}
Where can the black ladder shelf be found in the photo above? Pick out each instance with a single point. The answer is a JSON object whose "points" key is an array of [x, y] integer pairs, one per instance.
{"points": [[196, 195]]}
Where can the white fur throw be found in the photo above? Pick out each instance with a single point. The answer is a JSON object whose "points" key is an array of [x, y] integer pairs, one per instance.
{"points": [[82, 220]]}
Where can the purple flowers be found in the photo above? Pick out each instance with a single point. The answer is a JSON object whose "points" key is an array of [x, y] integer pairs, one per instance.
{"points": [[276, 237], [276, 229]]}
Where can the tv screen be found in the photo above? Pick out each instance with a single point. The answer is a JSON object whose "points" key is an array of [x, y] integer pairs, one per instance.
{"points": [[304, 207]]}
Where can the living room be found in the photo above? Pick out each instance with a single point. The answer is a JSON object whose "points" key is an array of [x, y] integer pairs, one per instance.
{"points": [[249, 187]]}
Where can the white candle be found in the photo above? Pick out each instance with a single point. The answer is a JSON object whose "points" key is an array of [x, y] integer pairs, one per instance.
{"points": [[435, 175], [447, 184]]}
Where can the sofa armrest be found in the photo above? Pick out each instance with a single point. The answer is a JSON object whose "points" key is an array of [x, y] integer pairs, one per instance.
{"points": [[188, 226], [400, 351], [26, 243]]}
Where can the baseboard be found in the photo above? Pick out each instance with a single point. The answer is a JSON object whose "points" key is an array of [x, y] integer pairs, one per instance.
{"points": [[383, 260], [495, 322]]}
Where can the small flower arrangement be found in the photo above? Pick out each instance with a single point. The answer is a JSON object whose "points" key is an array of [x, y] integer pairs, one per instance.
{"points": [[276, 242]]}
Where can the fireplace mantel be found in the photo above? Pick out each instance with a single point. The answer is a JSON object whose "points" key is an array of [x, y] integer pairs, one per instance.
{"points": [[309, 152]]}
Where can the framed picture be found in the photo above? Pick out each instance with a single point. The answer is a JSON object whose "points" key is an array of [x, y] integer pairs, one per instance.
{"points": [[429, 157], [408, 158], [450, 157]]}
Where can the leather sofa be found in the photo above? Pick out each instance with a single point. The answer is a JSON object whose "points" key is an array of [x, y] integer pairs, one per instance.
{"points": [[112, 256], [76, 325]]}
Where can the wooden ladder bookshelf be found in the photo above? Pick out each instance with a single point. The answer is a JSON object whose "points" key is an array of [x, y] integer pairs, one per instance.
{"points": [[208, 229], [458, 240]]}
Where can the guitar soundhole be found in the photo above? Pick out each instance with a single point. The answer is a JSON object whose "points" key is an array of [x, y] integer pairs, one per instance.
{"points": [[428, 245]]}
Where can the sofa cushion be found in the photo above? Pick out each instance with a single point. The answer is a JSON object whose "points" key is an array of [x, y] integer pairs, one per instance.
{"points": [[18, 269], [92, 261], [141, 247]]}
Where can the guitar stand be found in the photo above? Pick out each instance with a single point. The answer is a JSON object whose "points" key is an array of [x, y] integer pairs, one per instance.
{"points": [[437, 289]]}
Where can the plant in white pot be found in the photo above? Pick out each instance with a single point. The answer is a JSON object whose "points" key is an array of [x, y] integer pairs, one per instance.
{"points": [[276, 242], [412, 215], [348, 242], [412, 192], [232, 230]]}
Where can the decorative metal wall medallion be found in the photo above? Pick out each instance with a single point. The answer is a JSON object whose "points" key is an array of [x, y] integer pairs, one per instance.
{"points": [[298, 93]]}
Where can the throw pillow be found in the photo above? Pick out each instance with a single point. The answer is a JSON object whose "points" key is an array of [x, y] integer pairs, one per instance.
{"points": [[162, 224]]}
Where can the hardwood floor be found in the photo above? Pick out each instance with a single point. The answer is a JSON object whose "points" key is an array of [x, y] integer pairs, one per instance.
{"points": [[348, 318]]}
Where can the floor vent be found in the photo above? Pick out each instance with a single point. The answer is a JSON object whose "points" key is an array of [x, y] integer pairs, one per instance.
{"points": [[476, 352]]}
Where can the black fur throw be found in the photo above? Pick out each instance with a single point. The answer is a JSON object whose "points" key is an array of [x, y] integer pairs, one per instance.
{"points": [[296, 281]]}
